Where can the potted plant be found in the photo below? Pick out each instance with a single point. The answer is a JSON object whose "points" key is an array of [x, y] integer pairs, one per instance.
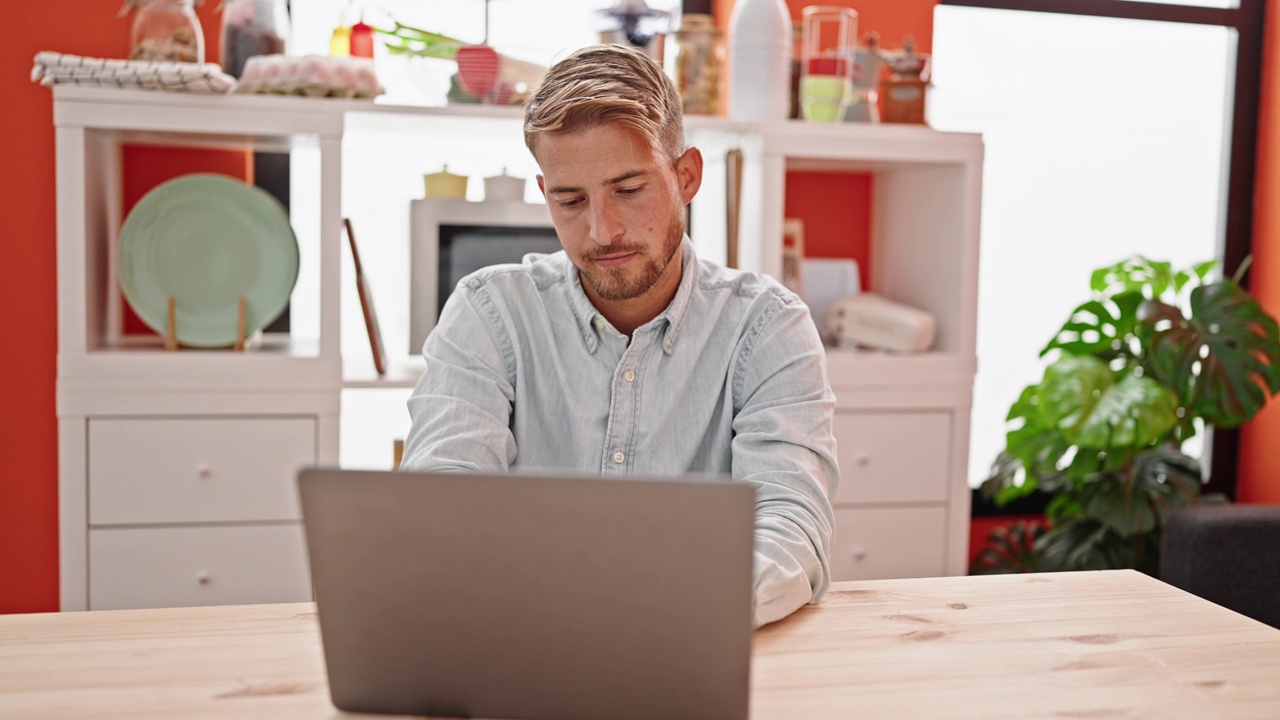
{"points": [[1153, 358]]}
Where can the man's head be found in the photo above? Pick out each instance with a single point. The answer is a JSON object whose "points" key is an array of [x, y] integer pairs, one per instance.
{"points": [[607, 132], [604, 84]]}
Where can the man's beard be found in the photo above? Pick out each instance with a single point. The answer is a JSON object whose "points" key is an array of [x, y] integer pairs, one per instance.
{"points": [[613, 285]]}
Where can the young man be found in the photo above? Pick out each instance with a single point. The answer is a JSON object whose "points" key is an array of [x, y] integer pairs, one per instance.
{"points": [[625, 354]]}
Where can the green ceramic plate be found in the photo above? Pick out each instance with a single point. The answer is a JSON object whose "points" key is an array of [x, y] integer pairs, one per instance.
{"points": [[207, 240]]}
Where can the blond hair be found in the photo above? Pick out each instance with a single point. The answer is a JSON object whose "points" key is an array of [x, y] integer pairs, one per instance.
{"points": [[603, 84]]}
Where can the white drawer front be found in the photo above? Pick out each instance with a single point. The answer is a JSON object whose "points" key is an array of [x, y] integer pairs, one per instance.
{"points": [[882, 543], [890, 457], [181, 567], [158, 470]]}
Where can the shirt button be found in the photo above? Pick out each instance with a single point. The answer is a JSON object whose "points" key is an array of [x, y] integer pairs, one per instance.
{"points": [[591, 343], [667, 343], [598, 323], [618, 457], [629, 376]]}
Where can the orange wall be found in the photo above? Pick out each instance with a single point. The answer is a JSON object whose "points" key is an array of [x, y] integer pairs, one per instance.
{"points": [[28, 425], [1259, 469]]}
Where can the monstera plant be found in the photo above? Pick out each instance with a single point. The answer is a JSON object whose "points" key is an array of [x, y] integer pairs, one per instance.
{"points": [[1150, 360]]}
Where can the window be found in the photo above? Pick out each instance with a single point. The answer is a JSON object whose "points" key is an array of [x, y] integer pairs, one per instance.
{"points": [[1106, 135]]}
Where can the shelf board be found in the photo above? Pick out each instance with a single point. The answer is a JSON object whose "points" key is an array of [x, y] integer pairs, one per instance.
{"points": [[155, 116], [878, 370], [402, 372], [145, 362]]}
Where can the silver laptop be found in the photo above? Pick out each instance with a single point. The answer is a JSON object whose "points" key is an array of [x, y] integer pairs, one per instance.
{"points": [[532, 597]]}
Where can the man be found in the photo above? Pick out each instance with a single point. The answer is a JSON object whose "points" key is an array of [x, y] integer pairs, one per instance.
{"points": [[625, 354]]}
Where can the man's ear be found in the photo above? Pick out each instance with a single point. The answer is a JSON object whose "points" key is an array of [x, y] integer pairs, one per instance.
{"points": [[689, 173], [542, 187]]}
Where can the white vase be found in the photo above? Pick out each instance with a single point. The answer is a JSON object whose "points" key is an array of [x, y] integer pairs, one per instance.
{"points": [[759, 60]]}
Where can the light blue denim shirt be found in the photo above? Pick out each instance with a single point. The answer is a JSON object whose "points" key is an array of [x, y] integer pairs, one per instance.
{"points": [[524, 373]]}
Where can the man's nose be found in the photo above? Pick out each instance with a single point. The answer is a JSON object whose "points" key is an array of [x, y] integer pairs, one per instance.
{"points": [[606, 224]]}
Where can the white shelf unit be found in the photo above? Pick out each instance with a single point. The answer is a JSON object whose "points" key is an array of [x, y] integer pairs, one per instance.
{"points": [[902, 424], [192, 441], [217, 427]]}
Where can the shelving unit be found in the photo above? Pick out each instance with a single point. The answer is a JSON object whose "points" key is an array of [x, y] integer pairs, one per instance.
{"points": [[197, 439]]}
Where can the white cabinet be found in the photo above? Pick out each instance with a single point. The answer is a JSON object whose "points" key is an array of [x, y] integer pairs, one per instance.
{"points": [[177, 468], [197, 470], [178, 566]]}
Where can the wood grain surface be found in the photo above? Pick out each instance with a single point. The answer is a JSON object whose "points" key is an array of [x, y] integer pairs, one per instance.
{"points": [[1113, 644]]}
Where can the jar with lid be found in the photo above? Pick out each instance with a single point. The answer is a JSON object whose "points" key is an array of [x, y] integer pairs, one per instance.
{"points": [[698, 64], [252, 27], [165, 31]]}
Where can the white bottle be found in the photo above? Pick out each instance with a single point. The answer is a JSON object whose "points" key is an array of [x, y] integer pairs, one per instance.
{"points": [[759, 60]]}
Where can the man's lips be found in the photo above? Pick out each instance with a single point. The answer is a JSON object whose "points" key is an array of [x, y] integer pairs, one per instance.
{"points": [[613, 260]]}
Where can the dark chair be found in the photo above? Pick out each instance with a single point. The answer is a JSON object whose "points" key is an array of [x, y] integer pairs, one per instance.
{"points": [[1226, 554]]}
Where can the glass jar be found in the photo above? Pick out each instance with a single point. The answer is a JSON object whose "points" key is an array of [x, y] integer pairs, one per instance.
{"points": [[698, 64], [249, 28], [165, 31]]}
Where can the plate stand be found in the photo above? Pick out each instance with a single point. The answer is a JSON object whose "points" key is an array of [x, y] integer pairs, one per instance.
{"points": [[171, 325]]}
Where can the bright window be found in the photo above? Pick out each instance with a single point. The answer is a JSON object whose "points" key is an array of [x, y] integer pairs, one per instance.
{"points": [[1104, 138]]}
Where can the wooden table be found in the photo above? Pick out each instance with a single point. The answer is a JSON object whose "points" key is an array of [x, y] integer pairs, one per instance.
{"points": [[1114, 644]]}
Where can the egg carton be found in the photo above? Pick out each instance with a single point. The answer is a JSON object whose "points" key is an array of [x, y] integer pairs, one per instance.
{"points": [[310, 75]]}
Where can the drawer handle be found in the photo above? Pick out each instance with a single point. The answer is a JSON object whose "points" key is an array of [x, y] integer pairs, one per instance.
{"points": [[204, 471], [204, 579], [859, 553], [864, 459]]}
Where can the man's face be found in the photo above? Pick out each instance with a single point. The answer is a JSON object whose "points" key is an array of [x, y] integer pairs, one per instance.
{"points": [[619, 209]]}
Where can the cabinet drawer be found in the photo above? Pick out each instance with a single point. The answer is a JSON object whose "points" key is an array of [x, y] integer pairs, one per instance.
{"points": [[180, 567], [893, 456], [874, 544], [157, 470]]}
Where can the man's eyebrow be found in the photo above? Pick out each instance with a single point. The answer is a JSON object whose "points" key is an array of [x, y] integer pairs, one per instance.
{"points": [[611, 181]]}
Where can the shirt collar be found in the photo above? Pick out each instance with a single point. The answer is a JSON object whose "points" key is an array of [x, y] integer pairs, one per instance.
{"points": [[591, 322]]}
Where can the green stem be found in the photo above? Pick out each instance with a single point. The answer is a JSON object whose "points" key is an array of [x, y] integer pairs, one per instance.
{"points": [[1244, 265]]}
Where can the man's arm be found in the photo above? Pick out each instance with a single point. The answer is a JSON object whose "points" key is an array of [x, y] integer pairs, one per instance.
{"points": [[461, 407], [784, 444]]}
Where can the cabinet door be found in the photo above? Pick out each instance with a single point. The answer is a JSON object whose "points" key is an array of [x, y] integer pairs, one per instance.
{"points": [[882, 543], [167, 470], [893, 457], [188, 566]]}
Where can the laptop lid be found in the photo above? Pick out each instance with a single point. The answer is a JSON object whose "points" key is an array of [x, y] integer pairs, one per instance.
{"points": [[532, 597]]}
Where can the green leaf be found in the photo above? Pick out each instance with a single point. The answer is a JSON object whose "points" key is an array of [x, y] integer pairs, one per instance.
{"points": [[1009, 549], [1136, 274], [1160, 481], [1099, 328], [1083, 544], [1223, 360], [1080, 397], [1036, 445]]}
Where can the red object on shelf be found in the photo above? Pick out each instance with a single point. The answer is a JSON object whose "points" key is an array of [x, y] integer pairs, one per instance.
{"points": [[361, 40], [478, 69]]}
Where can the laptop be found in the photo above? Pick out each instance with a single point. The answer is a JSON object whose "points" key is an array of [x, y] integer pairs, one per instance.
{"points": [[515, 596]]}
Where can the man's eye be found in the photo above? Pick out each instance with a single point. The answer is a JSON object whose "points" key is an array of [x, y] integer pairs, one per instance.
{"points": [[629, 190], [570, 203]]}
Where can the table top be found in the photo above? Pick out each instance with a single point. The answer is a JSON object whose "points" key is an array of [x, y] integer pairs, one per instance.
{"points": [[1110, 644]]}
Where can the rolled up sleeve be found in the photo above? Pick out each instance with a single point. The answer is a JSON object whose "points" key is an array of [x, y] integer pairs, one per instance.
{"points": [[784, 445]]}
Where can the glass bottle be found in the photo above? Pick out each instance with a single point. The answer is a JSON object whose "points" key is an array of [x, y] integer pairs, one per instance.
{"points": [[249, 28], [165, 31], [699, 63]]}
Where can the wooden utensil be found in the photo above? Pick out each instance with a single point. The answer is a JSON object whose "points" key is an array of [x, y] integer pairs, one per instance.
{"points": [[366, 305], [733, 181]]}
